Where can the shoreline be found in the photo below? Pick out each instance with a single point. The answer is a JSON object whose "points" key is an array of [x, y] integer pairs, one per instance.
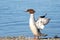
{"points": [[26, 38]]}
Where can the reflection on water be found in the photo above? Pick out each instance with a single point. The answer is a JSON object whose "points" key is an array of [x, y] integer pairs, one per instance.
{"points": [[14, 21]]}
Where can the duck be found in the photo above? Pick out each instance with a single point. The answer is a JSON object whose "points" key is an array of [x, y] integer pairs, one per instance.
{"points": [[38, 25]]}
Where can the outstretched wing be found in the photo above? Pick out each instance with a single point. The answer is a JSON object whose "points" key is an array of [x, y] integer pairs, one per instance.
{"points": [[41, 22]]}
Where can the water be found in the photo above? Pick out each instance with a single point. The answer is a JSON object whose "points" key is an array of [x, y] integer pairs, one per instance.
{"points": [[14, 21]]}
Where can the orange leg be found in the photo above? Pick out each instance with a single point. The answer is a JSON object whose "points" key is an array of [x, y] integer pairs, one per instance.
{"points": [[36, 37]]}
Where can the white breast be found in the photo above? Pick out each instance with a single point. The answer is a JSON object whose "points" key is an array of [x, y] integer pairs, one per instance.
{"points": [[32, 25]]}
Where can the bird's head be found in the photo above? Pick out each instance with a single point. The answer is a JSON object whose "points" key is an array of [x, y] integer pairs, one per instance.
{"points": [[31, 11]]}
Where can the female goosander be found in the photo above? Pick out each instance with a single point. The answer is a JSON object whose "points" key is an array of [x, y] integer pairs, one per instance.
{"points": [[35, 26]]}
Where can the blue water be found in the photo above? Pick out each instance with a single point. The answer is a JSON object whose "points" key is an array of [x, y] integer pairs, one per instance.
{"points": [[15, 22]]}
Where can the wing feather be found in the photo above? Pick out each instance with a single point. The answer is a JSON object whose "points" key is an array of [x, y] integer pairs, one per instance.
{"points": [[41, 22]]}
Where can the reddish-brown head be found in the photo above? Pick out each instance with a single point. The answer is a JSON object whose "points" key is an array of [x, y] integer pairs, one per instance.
{"points": [[31, 11]]}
